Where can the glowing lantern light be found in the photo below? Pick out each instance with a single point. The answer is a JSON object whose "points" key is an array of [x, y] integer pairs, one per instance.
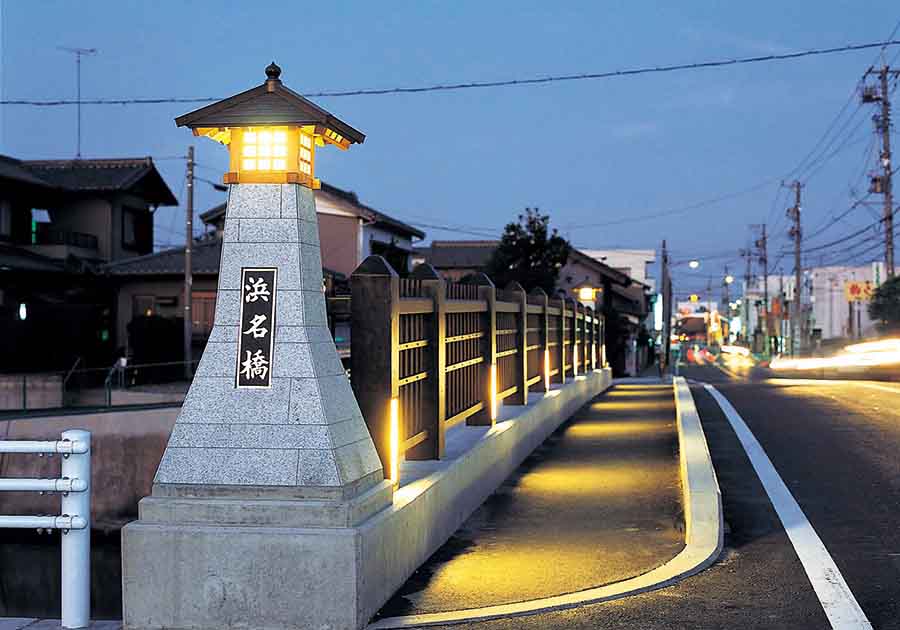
{"points": [[493, 392], [546, 369], [394, 439], [271, 133]]}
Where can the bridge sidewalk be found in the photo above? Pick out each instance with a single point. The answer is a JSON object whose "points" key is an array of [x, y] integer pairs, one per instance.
{"points": [[597, 503]]}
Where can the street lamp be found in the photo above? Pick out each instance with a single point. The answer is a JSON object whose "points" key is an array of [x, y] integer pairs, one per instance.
{"points": [[694, 264], [729, 279], [271, 133]]}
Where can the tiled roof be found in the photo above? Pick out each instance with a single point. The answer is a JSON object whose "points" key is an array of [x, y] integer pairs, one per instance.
{"points": [[23, 260], [13, 169], [205, 257], [138, 175], [458, 254], [204, 260], [369, 213]]}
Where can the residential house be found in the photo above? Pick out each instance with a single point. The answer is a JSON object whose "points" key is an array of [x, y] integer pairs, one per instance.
{"points": [[60, 220]]}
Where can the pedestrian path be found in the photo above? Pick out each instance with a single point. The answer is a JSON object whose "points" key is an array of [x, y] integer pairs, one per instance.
{"points": [[598, 502]]}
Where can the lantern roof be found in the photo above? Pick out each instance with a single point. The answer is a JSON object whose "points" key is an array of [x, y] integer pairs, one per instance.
{"points": [[268, 104]]}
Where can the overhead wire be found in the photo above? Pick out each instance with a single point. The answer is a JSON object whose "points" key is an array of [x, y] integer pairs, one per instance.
{"points": [[466, 85]]}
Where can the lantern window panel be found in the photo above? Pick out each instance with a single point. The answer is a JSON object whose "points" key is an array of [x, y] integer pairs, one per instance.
{"points": [[264, 145]]}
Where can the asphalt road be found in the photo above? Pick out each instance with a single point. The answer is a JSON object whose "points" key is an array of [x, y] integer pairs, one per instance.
{"points": [[836, 445]]}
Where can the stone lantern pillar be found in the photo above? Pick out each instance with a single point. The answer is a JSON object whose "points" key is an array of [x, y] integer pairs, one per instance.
{"points": [[270, 466]]}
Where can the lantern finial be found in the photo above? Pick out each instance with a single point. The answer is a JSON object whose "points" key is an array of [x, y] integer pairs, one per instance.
{"points": [[273, 72]]}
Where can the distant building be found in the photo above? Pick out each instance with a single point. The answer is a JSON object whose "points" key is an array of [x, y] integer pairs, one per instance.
{"points": [[826, 313], [59, 221], [632, 262]]}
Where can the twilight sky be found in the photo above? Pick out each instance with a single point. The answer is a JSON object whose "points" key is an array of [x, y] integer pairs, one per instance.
{"points": [[596, 155]]}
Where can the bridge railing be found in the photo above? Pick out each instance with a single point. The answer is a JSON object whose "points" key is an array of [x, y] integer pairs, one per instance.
{"points": [[427, 353], [74, 520]]}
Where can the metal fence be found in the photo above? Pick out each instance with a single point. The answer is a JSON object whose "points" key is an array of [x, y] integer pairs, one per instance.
{"points": [[74, 521], [452, 352], [131, 384]]}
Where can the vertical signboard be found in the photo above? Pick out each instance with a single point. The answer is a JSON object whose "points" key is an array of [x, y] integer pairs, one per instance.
{"points": [[254, 359]]}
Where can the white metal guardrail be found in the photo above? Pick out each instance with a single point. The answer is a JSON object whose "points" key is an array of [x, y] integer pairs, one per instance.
{"points": [[75, 520]]}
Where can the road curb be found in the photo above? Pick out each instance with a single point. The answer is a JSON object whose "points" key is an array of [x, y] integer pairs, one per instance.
{"points": [[704, 537]]}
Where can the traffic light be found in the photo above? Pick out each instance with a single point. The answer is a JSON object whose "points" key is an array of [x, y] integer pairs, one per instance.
{"points": [[695, 297]]}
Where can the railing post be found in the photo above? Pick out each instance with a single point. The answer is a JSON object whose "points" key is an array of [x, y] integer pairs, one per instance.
{"points": [[544, 354], [573, 326], [521, 395], [374, 352], [488, 294], [561, 345], [608, 314], [584, 349], [76, 543], [436, 406]]}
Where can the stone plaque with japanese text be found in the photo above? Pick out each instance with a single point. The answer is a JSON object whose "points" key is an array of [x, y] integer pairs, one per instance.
{"points": [[254, 360]]}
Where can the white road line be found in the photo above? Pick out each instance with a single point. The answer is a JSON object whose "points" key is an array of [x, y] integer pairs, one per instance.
{"points": [[841, 607], [825, 382]]}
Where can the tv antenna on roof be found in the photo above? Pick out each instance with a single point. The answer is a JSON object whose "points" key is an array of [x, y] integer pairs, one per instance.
{"points": [[79, 53]]}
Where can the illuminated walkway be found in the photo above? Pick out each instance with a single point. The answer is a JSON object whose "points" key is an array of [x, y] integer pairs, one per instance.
{"points": [[599, 502]]}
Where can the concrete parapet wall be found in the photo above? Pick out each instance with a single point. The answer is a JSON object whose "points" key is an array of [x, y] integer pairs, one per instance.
{"points": [[126, 446], [31, 391], [182, 574]]}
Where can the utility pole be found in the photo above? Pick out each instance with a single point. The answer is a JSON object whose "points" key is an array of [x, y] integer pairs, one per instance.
{"points": [[780, 336], [748, 259], [761, 243], [188, 270], [726, 294], [882, 183], [667, 307], [79, 53], [796, 233]]}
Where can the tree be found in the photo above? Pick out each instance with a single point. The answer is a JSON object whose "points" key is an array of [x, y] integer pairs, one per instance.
{"points": [[885, 304], [529, 253]]}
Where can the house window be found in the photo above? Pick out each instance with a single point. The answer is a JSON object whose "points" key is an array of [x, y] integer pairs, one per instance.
{"points": [[38, 217], [137, 228]]}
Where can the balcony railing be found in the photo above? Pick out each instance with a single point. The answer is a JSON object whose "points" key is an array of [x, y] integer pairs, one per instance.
{"points": [[46, 235]]}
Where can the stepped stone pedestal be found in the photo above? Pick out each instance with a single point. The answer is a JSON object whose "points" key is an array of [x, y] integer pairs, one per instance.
{"points": [[253, 520]]}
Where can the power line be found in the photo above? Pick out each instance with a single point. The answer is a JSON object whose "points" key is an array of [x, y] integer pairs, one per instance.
{"points": [[447, 87]]}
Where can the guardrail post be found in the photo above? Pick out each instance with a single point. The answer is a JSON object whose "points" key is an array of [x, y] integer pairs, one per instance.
{"points": [[544, 324], [488, 294], [374, 352], [436, 406], [521, 395], [76, 543], [74, 521]]}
